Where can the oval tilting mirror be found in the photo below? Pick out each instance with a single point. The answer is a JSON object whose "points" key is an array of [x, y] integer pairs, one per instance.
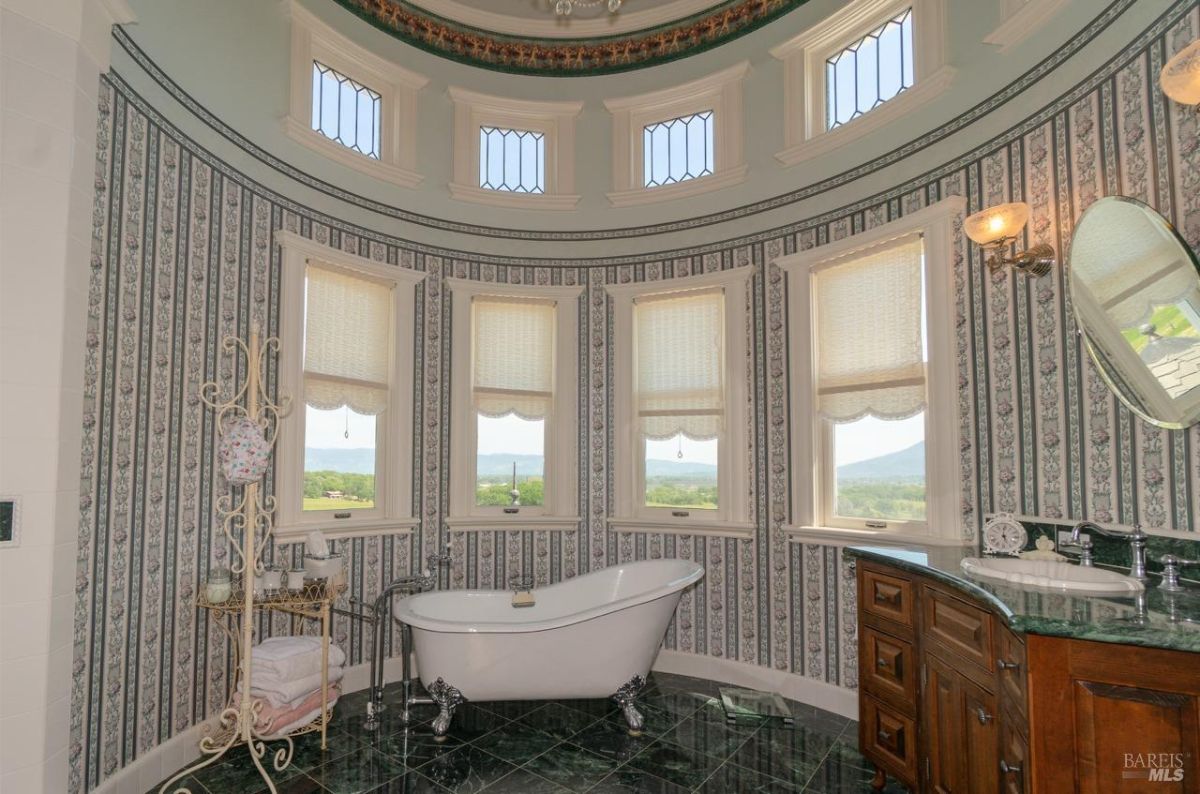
{"points": [[1135, 285]]}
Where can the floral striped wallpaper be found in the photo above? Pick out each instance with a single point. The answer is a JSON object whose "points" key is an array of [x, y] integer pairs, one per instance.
{"points": [[183, 255]]}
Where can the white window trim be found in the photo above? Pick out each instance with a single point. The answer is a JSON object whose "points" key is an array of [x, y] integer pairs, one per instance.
{"points": [[561, 508], [804, 56], [396, 516], [938, 224], [555, 120], [1020, 20], [721, 93], [313, 40], [732, 519]]}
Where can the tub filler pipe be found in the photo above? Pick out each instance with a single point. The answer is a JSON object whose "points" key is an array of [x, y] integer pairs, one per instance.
{"points": [[379, 616]]}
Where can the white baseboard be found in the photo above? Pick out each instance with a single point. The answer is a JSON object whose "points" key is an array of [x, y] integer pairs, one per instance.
{"points": [[833, 698], [152, 768]]}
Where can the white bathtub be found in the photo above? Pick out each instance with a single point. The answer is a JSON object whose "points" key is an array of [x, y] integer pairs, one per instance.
{"points": [[585, 637]]}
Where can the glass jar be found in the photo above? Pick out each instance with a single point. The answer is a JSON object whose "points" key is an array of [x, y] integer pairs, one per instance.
{"points": [[295, 580], [272, 580], [219, 587]]}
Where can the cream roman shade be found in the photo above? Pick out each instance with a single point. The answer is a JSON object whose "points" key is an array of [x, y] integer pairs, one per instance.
{"points": [[681, 364], [869, 358], [513, 356], [347, 340]]}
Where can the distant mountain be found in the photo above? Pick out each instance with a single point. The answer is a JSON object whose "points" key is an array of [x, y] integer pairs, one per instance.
{"points": [[348, 461], [499, 464], [679, 468], [907, 463]]}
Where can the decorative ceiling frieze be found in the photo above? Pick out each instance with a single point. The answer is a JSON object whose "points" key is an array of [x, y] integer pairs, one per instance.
{"points": [[561, 57]]}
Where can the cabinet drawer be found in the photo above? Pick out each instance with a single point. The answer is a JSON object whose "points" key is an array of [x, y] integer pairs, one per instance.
{"points": [[889, 668], [889, 739], [1010, 661], [959, 627], [1014, 760], [886, 596]]}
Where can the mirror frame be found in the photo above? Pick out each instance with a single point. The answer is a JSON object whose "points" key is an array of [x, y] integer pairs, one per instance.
{"points": [[1097, 362]]}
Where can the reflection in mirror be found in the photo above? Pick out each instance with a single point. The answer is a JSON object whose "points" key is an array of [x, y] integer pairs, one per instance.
{"points": [[1135, 286]]}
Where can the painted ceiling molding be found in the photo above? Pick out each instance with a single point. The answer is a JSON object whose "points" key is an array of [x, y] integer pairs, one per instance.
{"points": [[563, 57], [1037, 72]]}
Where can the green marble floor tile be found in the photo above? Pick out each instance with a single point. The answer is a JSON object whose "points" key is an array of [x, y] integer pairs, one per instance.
{"points": [[790, 755], [467, 770], [680, 704], [684, 683], [732, 778], [358, 772], [472, 721], [524, 782], [596, 707], [558, 720], [571, 766], [835, 777], [611, 739], [516, 742], [510, 709], [411, 782], [845, 750], [414, 747], [635, 781], [676, 764], [714, 739], [237, 773]]}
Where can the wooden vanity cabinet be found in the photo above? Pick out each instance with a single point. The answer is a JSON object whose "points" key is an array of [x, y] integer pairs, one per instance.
{"points": [[952, 701]]}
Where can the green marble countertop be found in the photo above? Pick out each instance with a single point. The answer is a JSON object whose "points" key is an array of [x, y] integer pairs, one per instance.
{"points": [[1167, 620]]}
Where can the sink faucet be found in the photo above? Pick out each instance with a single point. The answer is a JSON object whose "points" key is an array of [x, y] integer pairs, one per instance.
{"points": [[1136, 540]]}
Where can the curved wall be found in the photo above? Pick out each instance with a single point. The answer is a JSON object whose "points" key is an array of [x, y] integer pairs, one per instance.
{"points": [[183, 255]]}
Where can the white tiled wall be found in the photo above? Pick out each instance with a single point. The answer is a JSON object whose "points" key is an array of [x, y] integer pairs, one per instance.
{"points": [[51, 55]]}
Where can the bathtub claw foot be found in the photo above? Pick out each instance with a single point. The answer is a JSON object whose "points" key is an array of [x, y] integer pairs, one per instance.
{"points": [[626, 697], [447, 699]]}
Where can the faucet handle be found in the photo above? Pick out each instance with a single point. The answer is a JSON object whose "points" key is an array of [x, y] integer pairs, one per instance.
{"points": [[1170, 574]]}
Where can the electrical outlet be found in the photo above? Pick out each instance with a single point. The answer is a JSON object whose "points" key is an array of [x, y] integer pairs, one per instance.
{"points": [[8, 520]]}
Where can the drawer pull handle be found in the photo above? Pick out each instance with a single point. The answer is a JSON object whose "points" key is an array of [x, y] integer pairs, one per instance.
{"points": [[983, 717], [1009, 769], [1003, 665], [884, 736], [882, 663]]}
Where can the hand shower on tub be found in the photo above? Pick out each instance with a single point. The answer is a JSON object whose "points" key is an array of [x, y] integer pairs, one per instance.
{"points": [[381, 612]]}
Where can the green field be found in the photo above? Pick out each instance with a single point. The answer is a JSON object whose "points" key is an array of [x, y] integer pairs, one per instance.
{"points": [[492, 493], [899, 499], [321, 503], [693, 493], [1168, 321]]}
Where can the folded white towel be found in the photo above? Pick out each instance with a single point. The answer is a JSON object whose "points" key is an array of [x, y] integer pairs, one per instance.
{"points": [[296, 666], [276, 648], [281, 693]]}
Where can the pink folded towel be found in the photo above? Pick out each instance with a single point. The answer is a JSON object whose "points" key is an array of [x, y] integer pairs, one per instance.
{"points": [[276, 720]]}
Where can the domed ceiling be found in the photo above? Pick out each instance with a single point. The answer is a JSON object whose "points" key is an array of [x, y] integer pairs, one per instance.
{"points": [[528, 37]]}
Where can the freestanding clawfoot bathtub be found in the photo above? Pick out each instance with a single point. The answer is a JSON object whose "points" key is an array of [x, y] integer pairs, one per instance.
{"points": [[592, 636]]}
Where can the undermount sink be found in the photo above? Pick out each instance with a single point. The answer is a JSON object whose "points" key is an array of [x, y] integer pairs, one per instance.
{"points": [[1051, 575]]}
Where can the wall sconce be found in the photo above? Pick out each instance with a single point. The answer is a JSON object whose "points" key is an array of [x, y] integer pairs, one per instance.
{"points": [[996, 228], [1180, 77]]}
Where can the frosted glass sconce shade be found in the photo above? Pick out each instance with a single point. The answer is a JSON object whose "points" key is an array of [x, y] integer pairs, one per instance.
{"points": [[1180, 78], [997, 224], [996, 228]]}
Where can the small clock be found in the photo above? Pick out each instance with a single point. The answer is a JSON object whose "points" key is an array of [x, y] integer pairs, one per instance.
{"points": [[1003, 534]]}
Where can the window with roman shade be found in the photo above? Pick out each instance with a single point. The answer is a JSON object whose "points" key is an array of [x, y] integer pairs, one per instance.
{"points": [[869, 335], [513, 357], [347, 341], [680, 365]]}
